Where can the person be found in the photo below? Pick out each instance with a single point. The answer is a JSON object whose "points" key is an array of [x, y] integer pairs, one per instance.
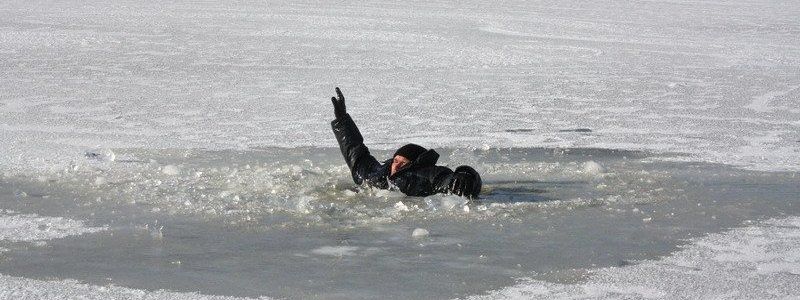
{"points": [[412, 169]]}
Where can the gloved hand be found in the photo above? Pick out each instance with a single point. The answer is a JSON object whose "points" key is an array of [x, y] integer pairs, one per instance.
{"points": [[338, 104], [466, 182]]}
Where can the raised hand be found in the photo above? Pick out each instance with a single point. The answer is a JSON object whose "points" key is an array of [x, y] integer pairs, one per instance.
{"points": [[338, 104]]}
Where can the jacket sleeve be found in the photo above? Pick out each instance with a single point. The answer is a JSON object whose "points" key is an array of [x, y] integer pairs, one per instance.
{"points": [[422, 181], [440, 178], [356, 154]]}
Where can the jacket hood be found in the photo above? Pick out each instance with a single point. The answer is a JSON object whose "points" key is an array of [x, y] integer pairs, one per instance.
{"points": [[427, 158]]}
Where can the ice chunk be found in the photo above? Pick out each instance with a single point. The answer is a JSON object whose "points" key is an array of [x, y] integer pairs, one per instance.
{"points": [[171, 170], [420, 233], [101, 154], [450, 202], [335, 250], [400, 206], [592, 168], [303, 204]]}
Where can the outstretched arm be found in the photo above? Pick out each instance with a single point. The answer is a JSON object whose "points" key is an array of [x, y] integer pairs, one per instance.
{"points": [[356, 154]]}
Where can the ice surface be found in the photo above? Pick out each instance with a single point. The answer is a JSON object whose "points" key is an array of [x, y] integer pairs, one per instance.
{"points": [[755, 262], [716, 80], [23, 288], [31, 228]]}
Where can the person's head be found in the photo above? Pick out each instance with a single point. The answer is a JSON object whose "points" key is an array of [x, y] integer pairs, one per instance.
{"points": [[404, 156]]}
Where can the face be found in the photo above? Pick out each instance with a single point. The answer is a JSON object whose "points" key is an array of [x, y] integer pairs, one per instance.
{"points": [[398, 163]]}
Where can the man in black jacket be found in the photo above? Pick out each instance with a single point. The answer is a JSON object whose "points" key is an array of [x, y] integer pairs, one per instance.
{"points": [[412, 169]]}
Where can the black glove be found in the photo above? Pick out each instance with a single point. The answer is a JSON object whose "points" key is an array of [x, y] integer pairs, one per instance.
{"points": [[466, 182], [338, 105]]}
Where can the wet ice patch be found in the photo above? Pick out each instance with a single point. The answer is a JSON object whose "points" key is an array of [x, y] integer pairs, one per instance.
{"points": [[754, 262], [33, 228]]}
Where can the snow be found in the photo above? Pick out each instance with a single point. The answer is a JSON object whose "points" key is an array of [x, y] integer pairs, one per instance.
{"points": [[663, 76]]}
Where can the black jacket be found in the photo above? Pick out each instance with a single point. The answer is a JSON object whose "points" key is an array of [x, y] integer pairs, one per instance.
{"points": [[422, 177]]}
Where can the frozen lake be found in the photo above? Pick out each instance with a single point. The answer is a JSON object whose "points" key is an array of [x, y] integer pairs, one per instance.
{"points": [[610, 133]]}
